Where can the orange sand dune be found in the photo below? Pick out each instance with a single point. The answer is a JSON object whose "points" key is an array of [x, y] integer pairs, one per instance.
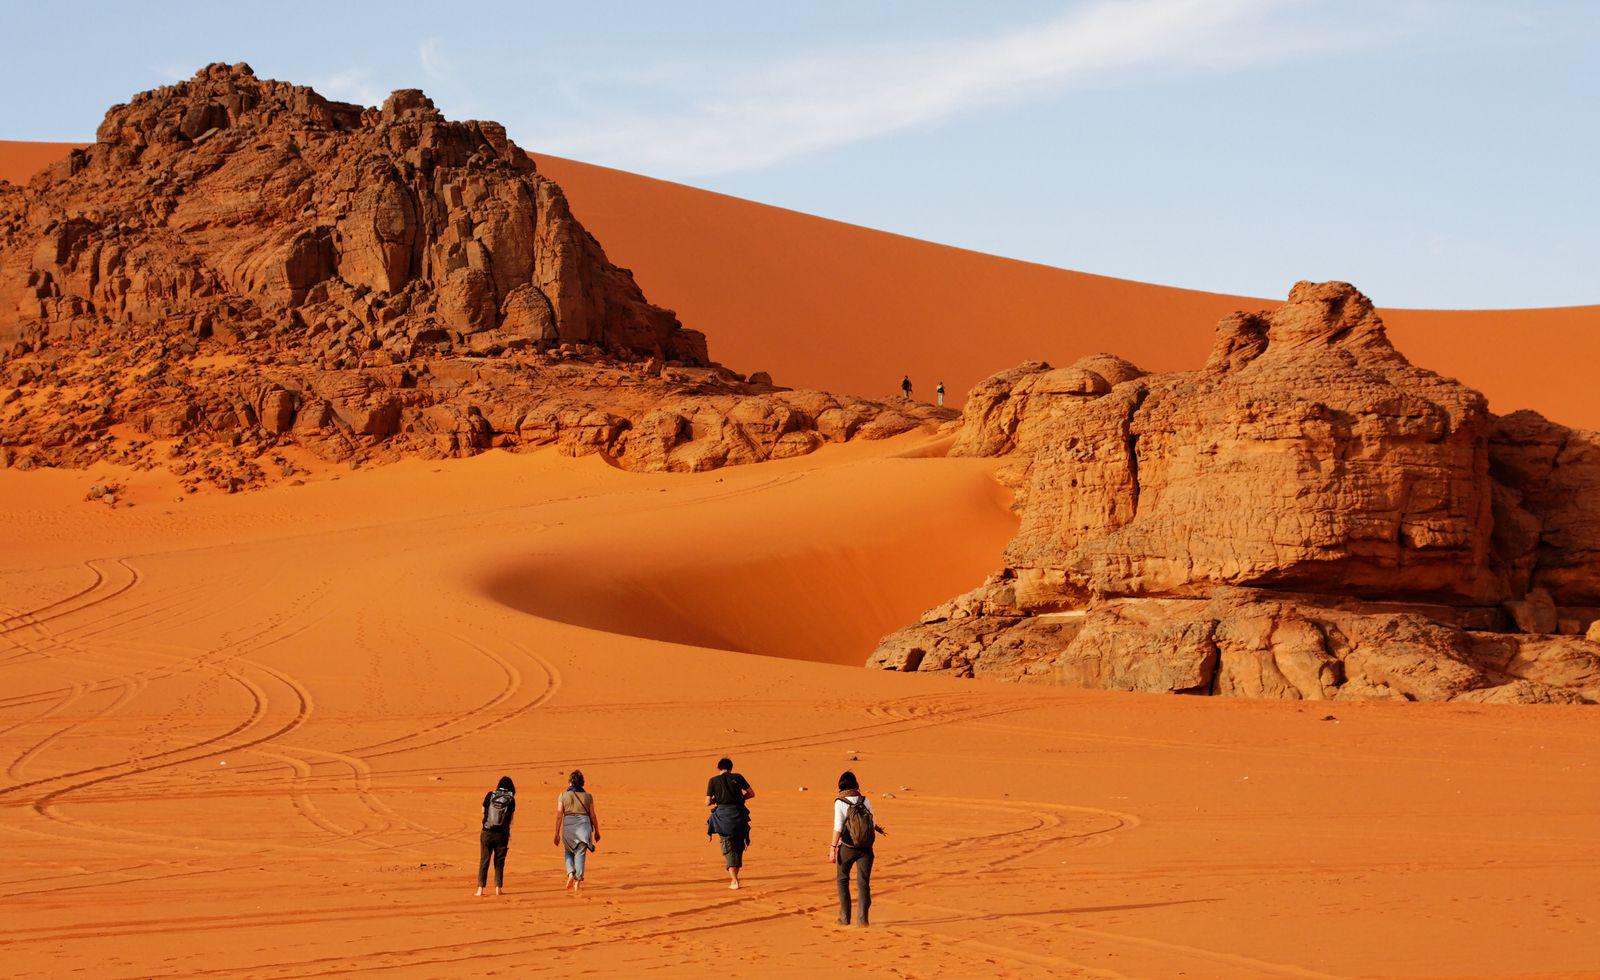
{"points": [[251, 734], [19, 161], [830, 305], [759, 580], [836, 306]]}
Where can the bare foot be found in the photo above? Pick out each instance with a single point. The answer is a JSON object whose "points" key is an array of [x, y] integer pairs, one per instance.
{"points": [[570, 882], [496, 891], [577, 885], [479, 892], [734, 885]]}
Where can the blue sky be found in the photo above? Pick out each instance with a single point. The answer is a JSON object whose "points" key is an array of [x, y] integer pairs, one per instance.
{"points": [[1434, 153]]}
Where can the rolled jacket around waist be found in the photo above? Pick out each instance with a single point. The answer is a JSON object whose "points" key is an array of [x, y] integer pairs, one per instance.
{"points": [[576, 831], [729, 820]]}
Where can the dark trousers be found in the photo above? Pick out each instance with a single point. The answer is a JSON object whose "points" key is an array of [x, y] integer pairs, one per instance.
{"points": [[862, 860], [492, 844], [733, 851]]}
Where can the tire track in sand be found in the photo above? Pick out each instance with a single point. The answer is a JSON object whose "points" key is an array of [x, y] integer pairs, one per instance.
{"points": [[723, 912]]}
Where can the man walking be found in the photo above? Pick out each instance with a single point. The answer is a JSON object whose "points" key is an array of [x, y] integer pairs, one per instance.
{"points": [[905, 387], [727, 794], [939, 394]]}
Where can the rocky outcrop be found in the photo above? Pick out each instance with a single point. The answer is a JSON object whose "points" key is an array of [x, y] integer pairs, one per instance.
{"points": [[239, 265], [228, 423], [1308, 515], [242, 205]]}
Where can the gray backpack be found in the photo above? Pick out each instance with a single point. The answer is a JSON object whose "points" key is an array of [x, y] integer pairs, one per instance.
{"points": [[499, 815]]}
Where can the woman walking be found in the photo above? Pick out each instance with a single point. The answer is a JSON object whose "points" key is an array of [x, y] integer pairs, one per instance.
{"points": [[577, 828], [499, 806], [855, 829]]}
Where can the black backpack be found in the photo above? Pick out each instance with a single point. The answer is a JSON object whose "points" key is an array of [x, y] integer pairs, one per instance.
{"points": [[733, 787], [859, 829], [499, 815]]}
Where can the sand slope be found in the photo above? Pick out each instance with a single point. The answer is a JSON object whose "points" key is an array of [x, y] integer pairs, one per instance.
{"points": [[832, 305], [829, 305], [345, 648], [20, 160]]}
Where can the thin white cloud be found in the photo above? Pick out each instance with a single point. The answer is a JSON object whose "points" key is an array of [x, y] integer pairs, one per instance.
{"points": [[430, 55], [172, 72], [350, 85], [746, 117]]}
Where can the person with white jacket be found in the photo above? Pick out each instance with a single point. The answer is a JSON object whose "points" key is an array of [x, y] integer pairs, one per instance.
{"points": [[855, 829]]}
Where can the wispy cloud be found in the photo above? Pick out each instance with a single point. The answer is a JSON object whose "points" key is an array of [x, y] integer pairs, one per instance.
{"points": [[350, 85], [738, 118], [430, 55]]}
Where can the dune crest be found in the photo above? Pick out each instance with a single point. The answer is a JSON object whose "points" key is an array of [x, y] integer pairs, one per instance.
{"points": [[751, 572], [856, 307]]}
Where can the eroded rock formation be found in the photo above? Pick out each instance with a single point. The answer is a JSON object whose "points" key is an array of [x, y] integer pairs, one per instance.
{"points": [[1309, 515], [238, 265]]}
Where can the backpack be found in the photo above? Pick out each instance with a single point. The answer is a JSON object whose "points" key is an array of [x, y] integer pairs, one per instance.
{"points": [[732, 784], [859, 829], [499, 815]]}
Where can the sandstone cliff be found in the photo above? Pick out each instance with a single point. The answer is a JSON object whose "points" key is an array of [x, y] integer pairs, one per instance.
{"points": [[239, 265], [1308, 515]]}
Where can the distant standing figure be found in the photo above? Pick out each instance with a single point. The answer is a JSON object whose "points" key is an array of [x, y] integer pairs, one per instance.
{"points": [[577, 828], [854, 832], [499, 806], [905, 386], [939, 394], [727, 794]]}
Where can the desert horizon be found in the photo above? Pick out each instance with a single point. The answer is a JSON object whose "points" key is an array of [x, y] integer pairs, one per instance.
{"points": [[838, 330], [355, 459]]}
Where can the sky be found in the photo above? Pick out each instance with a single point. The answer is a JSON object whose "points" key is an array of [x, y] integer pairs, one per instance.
{"points": [[1437, 154]]}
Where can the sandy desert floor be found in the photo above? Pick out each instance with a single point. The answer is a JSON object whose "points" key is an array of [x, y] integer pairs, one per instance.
{"points": [[252, 733]]}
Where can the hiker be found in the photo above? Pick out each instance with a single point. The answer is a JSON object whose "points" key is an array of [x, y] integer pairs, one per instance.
{"points": [[727, 794], [905, 387], [854, 831], [939, 394], [499, 806], [577, 828]]}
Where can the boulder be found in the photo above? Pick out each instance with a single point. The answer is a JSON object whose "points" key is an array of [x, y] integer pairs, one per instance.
{"points": [[1308, 515], [1535, 612]]}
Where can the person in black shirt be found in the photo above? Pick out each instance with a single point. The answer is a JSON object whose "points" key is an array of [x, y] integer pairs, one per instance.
{"points": [[727, 794], [499, 806]]}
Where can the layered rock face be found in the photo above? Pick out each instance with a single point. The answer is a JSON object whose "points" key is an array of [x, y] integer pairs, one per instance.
{"points": [[1308, 515], [240, 265], [238, 203]]}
